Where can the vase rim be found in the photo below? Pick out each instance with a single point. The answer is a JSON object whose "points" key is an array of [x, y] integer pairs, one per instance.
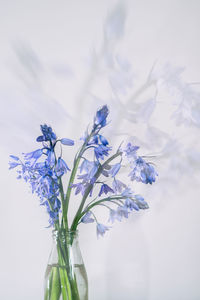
{"points": [[63, 232]]}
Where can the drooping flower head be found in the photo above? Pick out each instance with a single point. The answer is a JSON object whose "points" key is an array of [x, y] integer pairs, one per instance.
{"points": [[143, 171], [101, 229]]}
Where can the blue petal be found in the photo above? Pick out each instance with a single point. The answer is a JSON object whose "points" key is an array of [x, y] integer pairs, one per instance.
{"points": [[40, 138], [14, 157], [103, 140]]}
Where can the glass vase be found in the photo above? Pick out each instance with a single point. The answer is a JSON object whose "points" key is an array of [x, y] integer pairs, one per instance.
{"points": [[65, 277]]}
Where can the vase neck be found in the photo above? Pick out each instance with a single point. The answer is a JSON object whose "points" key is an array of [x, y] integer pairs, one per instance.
{"points": [[65, 236]]}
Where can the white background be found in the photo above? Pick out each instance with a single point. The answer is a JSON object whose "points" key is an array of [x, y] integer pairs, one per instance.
{"points": [[46, 48]]}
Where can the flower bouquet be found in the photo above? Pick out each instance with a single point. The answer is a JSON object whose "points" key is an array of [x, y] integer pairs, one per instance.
{"points": [[95, 179]]}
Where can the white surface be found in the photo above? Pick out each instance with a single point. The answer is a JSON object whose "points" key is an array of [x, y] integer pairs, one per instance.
{"points": [[155, 254]]}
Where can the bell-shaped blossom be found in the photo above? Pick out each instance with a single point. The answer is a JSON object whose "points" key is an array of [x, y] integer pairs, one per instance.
{"points": [[118, 186], [32, 157], [101, 229], [103, 140], [128, 193], [122, 212], [141, 203], [101, 151], [131, 151], [90, 168], [105, 189], [61, 167], [143, 171], [13, 164], [87, 218], [129, 203], [79, 187], [112, 215]]}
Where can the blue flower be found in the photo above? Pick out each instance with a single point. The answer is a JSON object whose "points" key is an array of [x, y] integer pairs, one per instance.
{"points": [[87, 218], [101, 151], [140, 202], [122, 212], [61, 167], [130, 150], [105, 189], [112, 215], [13, 164], [129, 203], [32, 157], [128, 193], [118, 186], [90, 168], [143, 171], [48, 134], [101, 115], [103, 140], [101, 229], [80, 187]]}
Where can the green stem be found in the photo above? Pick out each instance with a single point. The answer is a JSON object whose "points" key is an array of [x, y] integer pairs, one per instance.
{"points": [[63, 204], [64, 245], [88, 190], [108, 199], [73, 173]]}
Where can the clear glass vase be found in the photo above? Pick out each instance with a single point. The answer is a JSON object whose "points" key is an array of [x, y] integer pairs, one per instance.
{"points": [[65, 277]]}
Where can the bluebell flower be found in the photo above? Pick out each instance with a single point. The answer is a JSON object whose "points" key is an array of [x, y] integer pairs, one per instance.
{"points": [[101, 115], [101, 229], [61, 167], [33, 156], [112, 215], [128, 193], [129, 203], [122, 212], [90, 167], [115, 169], [103, 140], [13, 164], [130, 151], [67, 142], [143, 171], [87, 218], [105, 189], [79, 187], [118, 186], [101, 151], [141, 203], [48, 134]]}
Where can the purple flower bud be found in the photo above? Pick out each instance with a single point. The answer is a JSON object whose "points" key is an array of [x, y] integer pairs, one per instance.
{"points": [[67, 142], [101, 116]]}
